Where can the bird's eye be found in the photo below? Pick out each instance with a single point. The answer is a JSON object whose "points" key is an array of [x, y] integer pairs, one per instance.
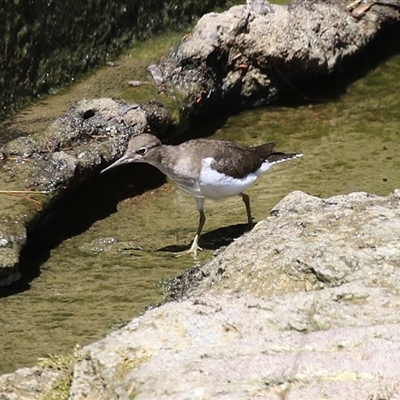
{"points": [[141, 151]]}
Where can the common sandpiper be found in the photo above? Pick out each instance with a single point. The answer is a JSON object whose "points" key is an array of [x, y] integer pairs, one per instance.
{"points": [[205, 168]]}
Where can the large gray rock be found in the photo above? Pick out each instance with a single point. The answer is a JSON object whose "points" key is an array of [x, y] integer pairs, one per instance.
{"points": [[251, 54], [303, 306], [310, 243]]}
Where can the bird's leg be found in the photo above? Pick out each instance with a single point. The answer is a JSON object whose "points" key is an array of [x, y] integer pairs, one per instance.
{"points": [[246, 200], [202, 219]]}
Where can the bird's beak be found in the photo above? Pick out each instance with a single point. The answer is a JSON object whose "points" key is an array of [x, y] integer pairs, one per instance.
{"points": [[121, 161]]}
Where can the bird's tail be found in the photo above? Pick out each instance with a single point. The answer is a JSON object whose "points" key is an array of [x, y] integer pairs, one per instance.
{"points": [[276, 157]]}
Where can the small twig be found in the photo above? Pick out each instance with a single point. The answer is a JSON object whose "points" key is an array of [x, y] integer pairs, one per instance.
{"points": [[20, 194], [19, 159], [24, 192], [37, 203]]}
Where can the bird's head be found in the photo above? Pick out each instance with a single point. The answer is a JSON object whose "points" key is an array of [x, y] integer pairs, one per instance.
{"points": [[141, 149]]}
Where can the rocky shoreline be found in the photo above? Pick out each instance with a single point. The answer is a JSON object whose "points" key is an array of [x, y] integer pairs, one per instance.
{"points": [[303, 306]]}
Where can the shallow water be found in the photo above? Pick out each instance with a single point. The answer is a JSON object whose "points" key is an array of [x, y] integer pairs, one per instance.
{"points": [[98, 278]]}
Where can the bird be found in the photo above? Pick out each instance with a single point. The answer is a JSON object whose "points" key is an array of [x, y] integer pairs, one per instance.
{"points": [[205, 168]]}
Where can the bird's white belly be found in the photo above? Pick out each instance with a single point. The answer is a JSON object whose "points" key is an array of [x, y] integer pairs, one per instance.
{"points": [[214, 185]]}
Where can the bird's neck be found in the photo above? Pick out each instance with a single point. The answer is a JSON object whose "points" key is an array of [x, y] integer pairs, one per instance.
{"points": [[159, 157], [164, 159]]}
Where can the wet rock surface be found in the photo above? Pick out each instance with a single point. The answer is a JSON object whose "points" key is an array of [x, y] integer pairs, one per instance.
{"points": [[71, 150], [303, 306]]}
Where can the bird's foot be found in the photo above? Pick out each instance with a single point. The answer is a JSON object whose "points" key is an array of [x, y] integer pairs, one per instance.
{"points": [[193, 249]]}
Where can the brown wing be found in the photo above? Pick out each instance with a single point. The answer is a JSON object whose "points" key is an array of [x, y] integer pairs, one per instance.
{"points": [[236, 160]]}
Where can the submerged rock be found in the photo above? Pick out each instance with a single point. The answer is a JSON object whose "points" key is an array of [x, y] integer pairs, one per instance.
{"points": [[303, 306]]}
